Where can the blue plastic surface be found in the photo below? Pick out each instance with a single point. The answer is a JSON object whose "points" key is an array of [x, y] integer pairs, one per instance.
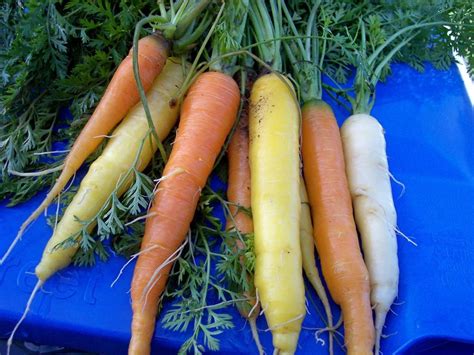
{"points": [[429, 125]]}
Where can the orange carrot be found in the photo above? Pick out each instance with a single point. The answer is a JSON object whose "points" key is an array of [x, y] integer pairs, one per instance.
{"points": [[208, 113], [334, 227], [238, 194], [120, 96], [238, 189]]}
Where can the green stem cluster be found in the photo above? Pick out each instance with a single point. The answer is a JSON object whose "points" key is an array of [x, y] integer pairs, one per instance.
{"points": [[228, 36], [305, 56], [369, 67], [267, 31]]}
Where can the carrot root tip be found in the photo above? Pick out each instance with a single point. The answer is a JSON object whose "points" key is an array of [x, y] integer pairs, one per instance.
{"points": [[133, 257], [277, 326], [37, 287], [36, 173], [173, 173], [257, 302], [14, 242], [380, 316], [318, 338], [398, 182], [255, 336], [408, 239], [385, 336], [330, 330]]}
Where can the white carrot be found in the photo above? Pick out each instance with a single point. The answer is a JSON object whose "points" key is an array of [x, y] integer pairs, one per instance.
{"points": [[368, 174], [369, 183]]}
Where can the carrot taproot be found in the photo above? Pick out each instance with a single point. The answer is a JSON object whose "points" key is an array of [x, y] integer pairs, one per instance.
{"points": [[274, 123], [119, 97], [369, 182], [334, 228], [208, 113], [238, 195], [276, 206], [238, 187], [117, 158]]}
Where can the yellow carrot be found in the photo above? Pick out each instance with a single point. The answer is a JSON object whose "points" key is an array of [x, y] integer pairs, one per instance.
{"points": [[103, 175], [116, 159], [276, 205]]}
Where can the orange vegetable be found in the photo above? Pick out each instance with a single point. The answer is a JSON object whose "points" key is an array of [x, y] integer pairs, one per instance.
{"points": [[238, 189], [208, 113], [334, 227], [238, 194]]}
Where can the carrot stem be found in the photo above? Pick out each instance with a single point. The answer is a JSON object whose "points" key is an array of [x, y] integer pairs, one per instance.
{"points": [[138, 80], [190, 16]]}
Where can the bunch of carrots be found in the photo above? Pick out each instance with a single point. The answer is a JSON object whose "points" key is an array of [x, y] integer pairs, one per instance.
{"points": [[295, 180]]}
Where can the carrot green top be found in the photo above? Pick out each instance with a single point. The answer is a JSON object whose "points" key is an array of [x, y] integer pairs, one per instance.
{"points": [[311, 45], [332, 37], [386, 33], [305, 53], [267, 29], [179, 23], [370, 67], [228, 36]]}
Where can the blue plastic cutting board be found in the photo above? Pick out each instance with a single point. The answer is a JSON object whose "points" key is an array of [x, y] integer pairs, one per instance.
{"points": [[429, 125]]}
